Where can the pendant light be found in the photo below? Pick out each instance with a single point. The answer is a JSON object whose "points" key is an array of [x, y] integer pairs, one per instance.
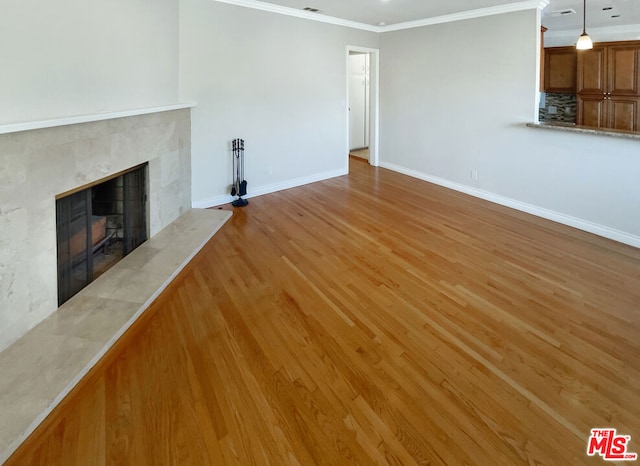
{"points": [[584, 41]]}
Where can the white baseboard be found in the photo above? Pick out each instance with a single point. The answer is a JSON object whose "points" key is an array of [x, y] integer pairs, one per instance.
{"points": [[271, 188], [585, 225]]}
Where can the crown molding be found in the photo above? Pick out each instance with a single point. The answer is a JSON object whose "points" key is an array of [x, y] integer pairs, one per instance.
{"points": [[471, 14], [575, 33], [287, 11]]}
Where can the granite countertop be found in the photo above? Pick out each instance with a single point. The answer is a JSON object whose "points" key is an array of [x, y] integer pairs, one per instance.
{"points": [[572, 128]]}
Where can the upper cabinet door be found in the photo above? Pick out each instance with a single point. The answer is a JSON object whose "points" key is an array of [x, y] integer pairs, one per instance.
{"points": [[624, 75], [592, 75], [560, 69]]}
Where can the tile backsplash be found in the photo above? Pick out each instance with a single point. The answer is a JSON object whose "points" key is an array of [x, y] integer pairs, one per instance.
{"points": [[559, 108]]}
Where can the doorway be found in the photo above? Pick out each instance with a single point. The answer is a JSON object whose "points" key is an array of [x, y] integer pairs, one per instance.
{"points": [[359, 102], [362, 102]]}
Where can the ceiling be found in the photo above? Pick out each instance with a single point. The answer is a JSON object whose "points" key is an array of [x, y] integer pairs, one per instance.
{"points": [[600, 13], [389, 12]]}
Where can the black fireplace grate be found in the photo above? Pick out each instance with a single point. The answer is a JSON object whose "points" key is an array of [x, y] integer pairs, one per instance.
{"points": [[105, 219]]}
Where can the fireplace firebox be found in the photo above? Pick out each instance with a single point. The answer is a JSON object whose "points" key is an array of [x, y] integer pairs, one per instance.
{"points": [[97, 225]]}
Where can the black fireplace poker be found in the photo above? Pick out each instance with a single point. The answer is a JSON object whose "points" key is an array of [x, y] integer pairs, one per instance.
{"points": [[239, 186]]}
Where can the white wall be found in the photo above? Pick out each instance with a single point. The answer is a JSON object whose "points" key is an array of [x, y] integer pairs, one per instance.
{"points": [[565, 38], [276, 81], [69, 57], [455, 98]]}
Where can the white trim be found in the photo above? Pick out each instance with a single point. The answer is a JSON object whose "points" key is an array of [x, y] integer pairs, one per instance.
{"points": [[72, 120], [271, 188], [287, 11], [374, 124], [539, 66], [470, 14], [479, 13], [585, 225]]}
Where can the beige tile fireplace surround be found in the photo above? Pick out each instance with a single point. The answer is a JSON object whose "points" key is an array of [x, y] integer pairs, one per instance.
{"points": [[38, 164], [45, 350]]}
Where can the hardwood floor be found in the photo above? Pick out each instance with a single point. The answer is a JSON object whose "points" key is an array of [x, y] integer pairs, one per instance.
{"points": [[360, 154], [369, 319]]}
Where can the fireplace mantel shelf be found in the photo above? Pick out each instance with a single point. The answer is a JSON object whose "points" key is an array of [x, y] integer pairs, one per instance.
{"points": [[72, 120]]}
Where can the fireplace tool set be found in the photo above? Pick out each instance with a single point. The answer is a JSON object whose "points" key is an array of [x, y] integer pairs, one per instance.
{"points": [[239, 186]]}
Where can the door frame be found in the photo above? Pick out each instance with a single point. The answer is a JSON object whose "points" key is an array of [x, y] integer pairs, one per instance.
{"points": [[374, 102]]}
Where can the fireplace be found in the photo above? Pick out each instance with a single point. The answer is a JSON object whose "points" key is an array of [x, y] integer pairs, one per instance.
{"points": [[38, 164], [97, 225]]}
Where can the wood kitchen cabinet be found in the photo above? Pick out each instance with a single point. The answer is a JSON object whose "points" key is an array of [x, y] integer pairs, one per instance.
{"points": [[592, 71], [542, 31], [624, 69], [608, 86], [560, 67], [617, 112], [623, 113]]}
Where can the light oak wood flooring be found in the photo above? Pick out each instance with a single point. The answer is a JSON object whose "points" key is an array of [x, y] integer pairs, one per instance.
{"points": [[369, 319], [360, 154]]}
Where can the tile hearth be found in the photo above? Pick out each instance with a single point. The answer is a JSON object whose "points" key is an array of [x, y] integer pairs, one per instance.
{"points": [[42, 367]]}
